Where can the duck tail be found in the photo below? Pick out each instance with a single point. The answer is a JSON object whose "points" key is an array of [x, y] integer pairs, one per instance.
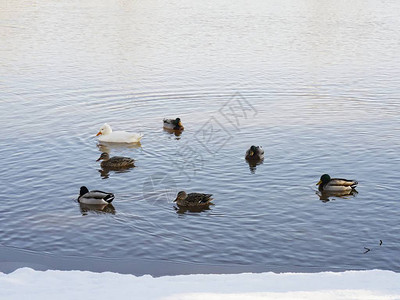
{"points": [[207, 198], [109, 198]]}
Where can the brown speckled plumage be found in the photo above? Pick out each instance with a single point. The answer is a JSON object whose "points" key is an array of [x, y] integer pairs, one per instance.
{"points": [[193, 199], [116, 162]]}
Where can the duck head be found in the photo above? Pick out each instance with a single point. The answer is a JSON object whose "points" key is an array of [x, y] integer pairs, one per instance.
{"points": [[178, 122], [104, 156], [181, 196], [105, 129], [83, 190], [253, 149], [324, 179]]}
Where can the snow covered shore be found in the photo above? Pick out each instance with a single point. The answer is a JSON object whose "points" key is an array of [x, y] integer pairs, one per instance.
{"points": [[26, 283]]}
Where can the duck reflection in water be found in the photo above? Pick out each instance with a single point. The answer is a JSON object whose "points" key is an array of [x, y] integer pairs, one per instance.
{"points": [[177, 133], [119, 164], [254, 157], [107, 147], [253, 165], [326, 196], [105, 172], [96, 208], [181, 210]]}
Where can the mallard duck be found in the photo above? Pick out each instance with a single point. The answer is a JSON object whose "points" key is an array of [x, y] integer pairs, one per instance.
{"points": [[255, 153], [193, 199], [109, 136], [94, 197], [328, 184], [115, 162], [174, 124]]}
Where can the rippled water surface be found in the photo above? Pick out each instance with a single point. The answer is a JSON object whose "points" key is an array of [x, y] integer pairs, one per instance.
{"points": [[316, 83]]}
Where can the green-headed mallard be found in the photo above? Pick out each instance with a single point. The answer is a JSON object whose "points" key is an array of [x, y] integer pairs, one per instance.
{"points": [[255, 153], [94, 197], [107, 135], [115, 162], [174, 124], [328, 184], [193, 199]]}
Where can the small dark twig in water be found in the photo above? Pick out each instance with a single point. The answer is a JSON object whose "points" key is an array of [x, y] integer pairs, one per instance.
{"points": [[366, 250], [380, 242]]}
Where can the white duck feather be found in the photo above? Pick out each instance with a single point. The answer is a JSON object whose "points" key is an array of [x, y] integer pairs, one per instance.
{"points": [[106, 134]]}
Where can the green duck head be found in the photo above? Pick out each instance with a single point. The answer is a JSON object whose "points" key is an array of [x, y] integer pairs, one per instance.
{"points": [[83, 190], [253, 149], [178, 122], [324, 179]]}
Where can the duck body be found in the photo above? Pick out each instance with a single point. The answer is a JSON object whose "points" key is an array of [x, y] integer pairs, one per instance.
{"points": [[173, 124], [94, 197], [107, 135], [193, 199], [255, 153], [336, 185], [115, 162]]}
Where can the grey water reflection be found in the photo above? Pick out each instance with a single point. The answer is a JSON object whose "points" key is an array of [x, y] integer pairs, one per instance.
{"points": [[176, 133]]}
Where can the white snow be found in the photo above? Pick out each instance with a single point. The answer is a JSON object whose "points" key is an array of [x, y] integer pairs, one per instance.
{"points": [[26, 283]]}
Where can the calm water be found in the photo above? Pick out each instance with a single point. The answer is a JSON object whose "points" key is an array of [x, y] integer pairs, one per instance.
{"points": [[316, 83]]}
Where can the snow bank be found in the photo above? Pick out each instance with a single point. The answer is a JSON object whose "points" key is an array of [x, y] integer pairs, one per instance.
{"points": [[26, 283]]}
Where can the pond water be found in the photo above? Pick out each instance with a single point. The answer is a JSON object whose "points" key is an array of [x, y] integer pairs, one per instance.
{"points": [[316, 83]]}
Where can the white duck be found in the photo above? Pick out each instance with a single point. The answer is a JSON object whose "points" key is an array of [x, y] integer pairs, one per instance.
{"points": [[109, 136], [94, 197]]}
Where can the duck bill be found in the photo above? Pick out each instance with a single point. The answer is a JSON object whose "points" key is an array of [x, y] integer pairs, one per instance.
{"points": [[251, 153], [319, 182], [175, 200], [98, 133], [98, 158]]}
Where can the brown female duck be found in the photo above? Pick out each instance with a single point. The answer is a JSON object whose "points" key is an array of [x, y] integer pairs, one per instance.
{"points": [[193, 199], [115, 162]]}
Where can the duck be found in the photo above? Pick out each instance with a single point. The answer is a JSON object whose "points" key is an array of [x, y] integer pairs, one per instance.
{"points": [[255, 153], [115, 162], [174, 124], [107, 135], [193, 199], [94, 197], [335, 185]]}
